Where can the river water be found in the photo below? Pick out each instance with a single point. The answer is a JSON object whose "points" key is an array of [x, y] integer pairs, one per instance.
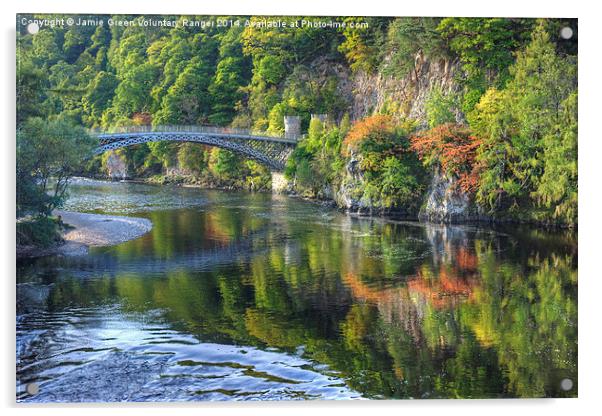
{"points": [[240, 296]]}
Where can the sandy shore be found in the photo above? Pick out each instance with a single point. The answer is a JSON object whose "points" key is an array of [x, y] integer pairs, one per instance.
{"points": [[94, 230]]}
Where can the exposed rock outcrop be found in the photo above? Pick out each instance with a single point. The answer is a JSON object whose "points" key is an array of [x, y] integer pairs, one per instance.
{"points": [[367, 93], [446, 202], [373, 92], [117, 168], [350, 194]]}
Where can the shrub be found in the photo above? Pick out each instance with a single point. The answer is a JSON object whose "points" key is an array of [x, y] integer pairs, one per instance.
{"points": [[440, 107], [452, 148], [391, 172], [39, 231], [370, 134]]}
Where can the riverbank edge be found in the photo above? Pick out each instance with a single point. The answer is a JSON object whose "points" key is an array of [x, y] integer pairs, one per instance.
{"points": [[84, 230], [476, 219]]}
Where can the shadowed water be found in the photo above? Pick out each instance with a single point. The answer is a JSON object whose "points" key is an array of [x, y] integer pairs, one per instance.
{"points": [[237, 296]]}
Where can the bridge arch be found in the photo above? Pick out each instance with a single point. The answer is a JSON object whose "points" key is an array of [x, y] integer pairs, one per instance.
{"points": [[271, 151]]}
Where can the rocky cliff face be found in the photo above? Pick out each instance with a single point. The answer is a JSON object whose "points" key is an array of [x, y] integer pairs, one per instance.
{"points": [[349, 195], [369, 93], [446, 203], [406, 96]]}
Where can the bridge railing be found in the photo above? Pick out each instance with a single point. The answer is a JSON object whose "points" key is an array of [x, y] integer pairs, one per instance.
{"points": [[194, 129]]}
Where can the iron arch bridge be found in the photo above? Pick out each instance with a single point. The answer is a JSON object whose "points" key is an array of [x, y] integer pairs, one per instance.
{"points": [[271, 151]]}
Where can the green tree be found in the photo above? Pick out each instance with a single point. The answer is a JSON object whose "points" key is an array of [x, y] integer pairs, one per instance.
{"points": [[485, 47], [226, 90], [133, 92], [271, 69], [556, 189], [187, 100], [224, 164], [440, 108], [407, 38], [398, 182], [527, 129], [192, 157], [316, 162], [75, 42], [45, 48], [485, 43], [48, 154], [362, 46], [31, 89], [98, 97], [128, 52], [164, 152]]}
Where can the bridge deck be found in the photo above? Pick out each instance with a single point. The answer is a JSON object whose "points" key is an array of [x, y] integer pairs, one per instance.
{"points": [[200, 129]]}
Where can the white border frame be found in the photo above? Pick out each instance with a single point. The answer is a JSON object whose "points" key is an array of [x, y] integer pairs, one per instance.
{"points": [[590, 24]]}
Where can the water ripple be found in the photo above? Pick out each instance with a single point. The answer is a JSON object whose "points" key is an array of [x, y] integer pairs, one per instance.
{"points": [[94, 356]]}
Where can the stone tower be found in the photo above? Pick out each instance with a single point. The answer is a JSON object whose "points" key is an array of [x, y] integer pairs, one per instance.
{"points": [[292, 127]]}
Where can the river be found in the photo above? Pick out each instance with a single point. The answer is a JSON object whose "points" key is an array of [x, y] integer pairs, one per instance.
{"points": [[242, 296]]}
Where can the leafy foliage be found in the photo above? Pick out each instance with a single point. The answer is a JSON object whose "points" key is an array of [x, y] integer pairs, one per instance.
{"points": [[183, 104], [440, 108], [316, 162], [485, 47], [391, 172], [39, 231], [453, 149], [483, 43], [99, 96], [371, 134], [362, 45], [48, 154], [224, 164], [409, 37], [134, 91], [529, 136]]}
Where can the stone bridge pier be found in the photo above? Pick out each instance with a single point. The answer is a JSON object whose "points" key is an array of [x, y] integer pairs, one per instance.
{"points": [[280, 184]]}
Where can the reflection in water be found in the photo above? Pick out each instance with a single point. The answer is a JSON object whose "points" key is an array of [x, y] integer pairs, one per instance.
{"points": [[239, 296]]}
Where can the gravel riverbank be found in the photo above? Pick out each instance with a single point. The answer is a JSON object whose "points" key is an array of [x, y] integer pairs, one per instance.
{"points": [[93, 230], [90, 230]]}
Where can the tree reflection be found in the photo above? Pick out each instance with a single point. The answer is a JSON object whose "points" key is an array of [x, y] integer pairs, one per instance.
{"points": [[398, 310]]}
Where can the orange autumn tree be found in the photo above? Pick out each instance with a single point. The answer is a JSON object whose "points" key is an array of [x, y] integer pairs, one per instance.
{"points": [[452, 148], [370, 132]]}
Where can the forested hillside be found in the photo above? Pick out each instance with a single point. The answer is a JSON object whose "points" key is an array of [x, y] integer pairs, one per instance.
{"points": [[490, 105]]}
